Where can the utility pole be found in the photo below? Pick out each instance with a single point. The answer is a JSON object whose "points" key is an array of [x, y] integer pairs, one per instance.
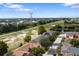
{"points": [[17, 23], [31, 14], [7, 21]]}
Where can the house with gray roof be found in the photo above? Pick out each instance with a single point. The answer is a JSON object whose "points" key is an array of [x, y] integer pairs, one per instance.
{"points": [[70, 51]]}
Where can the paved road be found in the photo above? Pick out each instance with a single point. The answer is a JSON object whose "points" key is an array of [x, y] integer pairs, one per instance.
{"points": [[51, 51]]}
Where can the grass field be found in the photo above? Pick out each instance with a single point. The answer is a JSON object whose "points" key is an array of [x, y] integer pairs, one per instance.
{"points": [[47, 26], [16, 44]]}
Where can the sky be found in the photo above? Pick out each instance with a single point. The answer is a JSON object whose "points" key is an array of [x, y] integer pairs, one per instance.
{"points": [[38, 10]]}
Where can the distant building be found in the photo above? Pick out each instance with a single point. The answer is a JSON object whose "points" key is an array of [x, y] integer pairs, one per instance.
{"points": [[71, 35]]}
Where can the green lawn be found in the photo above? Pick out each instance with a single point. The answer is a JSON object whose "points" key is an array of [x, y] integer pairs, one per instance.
{"points": [[47, 26], [14, 34]]}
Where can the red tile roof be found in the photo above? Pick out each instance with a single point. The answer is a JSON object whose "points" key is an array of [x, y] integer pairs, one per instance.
{"points": [[25, 49]]}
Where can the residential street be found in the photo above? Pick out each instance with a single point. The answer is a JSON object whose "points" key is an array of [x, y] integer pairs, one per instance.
{"points": [[52, 49]]}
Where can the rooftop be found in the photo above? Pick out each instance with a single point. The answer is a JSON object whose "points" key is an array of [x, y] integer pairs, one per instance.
{"points": [[25, 49], [72, 50]]}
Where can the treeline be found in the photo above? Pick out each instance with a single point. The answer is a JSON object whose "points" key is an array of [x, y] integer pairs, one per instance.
{"points": [[56, 28], [66, 28], [6, 28], [71, 28], [76, 21]]}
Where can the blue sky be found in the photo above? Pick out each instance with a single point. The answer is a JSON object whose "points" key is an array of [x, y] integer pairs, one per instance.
{"points": [[23, 10]]}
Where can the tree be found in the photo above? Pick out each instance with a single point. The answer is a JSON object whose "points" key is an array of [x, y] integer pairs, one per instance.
{"points": [[50, 38], [57, 32], [74, 42], [53, 36], [41, 22], [37, 51], [20, 44], [41, 30], [56, 28], [3, 48], [27, 38], [58, 51], [46, 43]]}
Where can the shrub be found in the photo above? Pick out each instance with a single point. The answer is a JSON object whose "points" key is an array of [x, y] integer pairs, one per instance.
{"points": [[75, 42], [41, 30], [27, 38], [37, 51], [3, 48]]}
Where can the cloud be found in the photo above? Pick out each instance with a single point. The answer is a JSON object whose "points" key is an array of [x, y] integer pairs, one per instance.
{"points": [[10, 5], [15, 6], [75, 6], [69, 4], [72, 5], [24, 9]]}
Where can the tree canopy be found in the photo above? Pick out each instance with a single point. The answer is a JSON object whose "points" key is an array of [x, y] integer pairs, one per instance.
{"points": [[41, 30], [27, 38], [3, 48], [37, 51], [46, 43], [75, 42]]}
